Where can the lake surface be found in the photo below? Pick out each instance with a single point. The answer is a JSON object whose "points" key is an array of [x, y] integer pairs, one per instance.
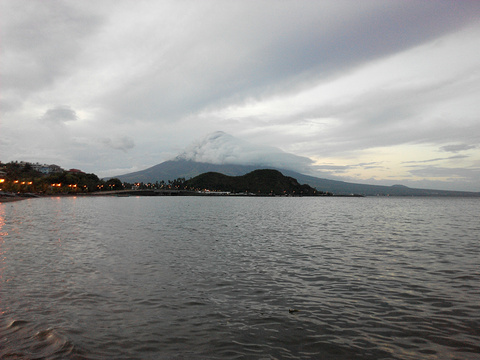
{"points": [[240, 278]]}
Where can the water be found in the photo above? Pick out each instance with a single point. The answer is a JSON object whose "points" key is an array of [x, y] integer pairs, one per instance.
{"points": [[215, 278]]}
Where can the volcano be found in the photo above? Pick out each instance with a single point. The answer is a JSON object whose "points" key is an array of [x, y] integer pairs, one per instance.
{"points": [[223, 153]]}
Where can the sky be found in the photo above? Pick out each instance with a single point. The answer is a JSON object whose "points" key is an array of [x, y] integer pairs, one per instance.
{"points": [[376, 92]]}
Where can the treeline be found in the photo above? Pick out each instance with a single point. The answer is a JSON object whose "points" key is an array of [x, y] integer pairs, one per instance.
{"points": [[176, 184]]}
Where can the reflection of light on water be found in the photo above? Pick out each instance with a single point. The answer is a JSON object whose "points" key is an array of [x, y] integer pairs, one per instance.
{"points": [[2, 249], [2, 222]]}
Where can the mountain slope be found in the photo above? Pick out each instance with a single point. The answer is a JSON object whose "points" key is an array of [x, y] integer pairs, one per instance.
{"points": [[341, 187], [173, 169]]}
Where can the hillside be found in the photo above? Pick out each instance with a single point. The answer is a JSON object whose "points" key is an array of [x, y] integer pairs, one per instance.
{"points": [[264, 181]]}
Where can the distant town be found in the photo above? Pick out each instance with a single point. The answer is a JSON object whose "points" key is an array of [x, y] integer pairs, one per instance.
{"points": [[27, 178], [35, 178]]}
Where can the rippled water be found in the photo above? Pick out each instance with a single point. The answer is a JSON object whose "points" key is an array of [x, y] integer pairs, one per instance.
{"points": [[215, 278]]}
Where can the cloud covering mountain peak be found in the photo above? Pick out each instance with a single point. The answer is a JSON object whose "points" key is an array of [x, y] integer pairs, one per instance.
{"points": [[222, 148]]}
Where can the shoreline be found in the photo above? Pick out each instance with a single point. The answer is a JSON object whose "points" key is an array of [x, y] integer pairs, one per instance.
{"points": [[14, 197], [8, 199], [149, 193]]}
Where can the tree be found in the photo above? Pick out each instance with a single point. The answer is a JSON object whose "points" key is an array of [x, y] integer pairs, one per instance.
{"points": [[113, 184]]}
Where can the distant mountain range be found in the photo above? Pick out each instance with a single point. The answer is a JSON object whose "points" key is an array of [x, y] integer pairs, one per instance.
{"points": [[181, 168]]}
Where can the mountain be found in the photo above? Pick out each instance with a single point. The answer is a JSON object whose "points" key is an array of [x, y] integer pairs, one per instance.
{"points": [[223, 153], [180, 168], [344, 188], [265, 181]]}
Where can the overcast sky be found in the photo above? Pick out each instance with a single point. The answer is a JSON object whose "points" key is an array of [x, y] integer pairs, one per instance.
{"points": [[380, 92]]}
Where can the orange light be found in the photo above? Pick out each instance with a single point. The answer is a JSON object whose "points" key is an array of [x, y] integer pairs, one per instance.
{"points": [[2, 180], [15, 182]]}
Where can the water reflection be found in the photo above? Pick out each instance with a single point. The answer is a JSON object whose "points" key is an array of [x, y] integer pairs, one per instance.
{"points": [[3, 234], [3, 255], [185, 278]]}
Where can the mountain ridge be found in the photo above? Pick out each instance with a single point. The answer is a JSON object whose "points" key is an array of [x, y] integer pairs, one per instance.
{"points": [[180, 168]]}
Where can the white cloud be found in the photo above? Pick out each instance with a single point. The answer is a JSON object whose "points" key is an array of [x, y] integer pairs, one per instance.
{"points": [[222, 148]]}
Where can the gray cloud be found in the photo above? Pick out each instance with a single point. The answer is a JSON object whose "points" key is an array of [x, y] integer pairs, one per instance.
{"points": [[59, 114], [435, 160], [120, 143], [40, 42], [207, 67], [457, 147]]}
